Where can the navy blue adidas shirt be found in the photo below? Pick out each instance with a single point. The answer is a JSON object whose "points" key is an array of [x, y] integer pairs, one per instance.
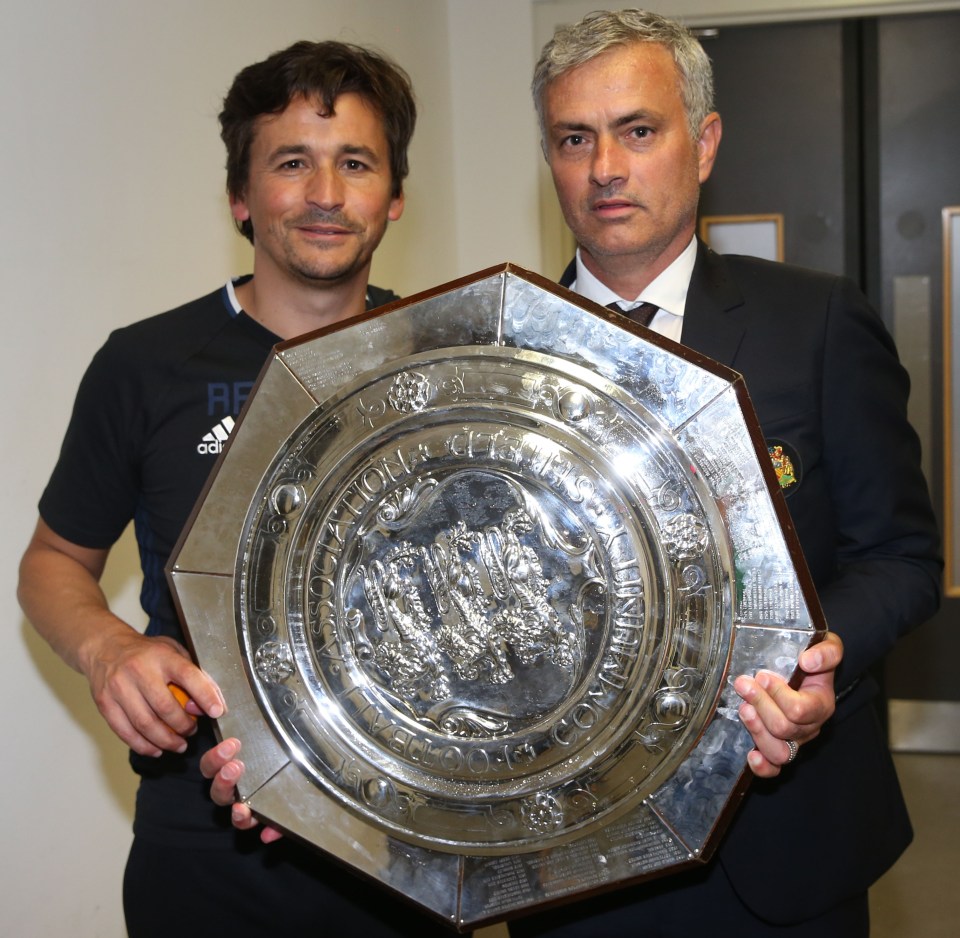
{"points": [[137, 443], [150, 418]]}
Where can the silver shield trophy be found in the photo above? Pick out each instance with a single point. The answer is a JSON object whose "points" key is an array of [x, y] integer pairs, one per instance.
{"points": [[474, 574]]}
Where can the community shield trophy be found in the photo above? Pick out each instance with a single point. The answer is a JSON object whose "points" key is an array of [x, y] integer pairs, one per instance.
{"points": [[474, 573]]}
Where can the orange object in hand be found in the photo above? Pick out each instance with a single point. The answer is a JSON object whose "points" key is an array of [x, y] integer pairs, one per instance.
{"points": [[181, 695]]}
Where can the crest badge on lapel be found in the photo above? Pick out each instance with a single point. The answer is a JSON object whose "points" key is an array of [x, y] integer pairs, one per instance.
{"points": [[786, 464]]}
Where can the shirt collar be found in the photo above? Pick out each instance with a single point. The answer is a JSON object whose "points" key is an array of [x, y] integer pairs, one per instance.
{"points": [[668, 290], [233, 304], [235, 308]]}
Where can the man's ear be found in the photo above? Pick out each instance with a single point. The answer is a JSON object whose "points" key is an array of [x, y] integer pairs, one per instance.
{"points": [[396, 207], [711, 130], [238, 209]]}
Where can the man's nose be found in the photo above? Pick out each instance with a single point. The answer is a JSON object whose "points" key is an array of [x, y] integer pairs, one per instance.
{"points": [[609, 163], [325, 189]]}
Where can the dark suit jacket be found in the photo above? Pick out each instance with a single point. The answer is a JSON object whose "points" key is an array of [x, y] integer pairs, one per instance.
{"points": [[823, 375]]}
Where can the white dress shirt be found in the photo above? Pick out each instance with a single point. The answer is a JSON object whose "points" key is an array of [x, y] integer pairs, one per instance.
{"points": [[668, 291]]}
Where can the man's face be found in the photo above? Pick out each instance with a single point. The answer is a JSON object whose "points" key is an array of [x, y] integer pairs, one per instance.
{"points": [[319, 191], [626, 170]]}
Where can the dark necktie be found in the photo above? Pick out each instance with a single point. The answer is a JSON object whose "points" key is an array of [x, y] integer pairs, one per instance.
{"points": [[642, 314]]}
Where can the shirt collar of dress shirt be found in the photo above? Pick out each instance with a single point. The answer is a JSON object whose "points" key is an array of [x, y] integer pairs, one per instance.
{"points": [[668, 290]]}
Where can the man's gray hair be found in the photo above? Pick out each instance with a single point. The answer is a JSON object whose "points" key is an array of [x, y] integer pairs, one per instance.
{"points": [[597, 32]]}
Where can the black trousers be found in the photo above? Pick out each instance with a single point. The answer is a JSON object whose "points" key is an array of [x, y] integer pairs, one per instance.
{"points": [[259, 891]]}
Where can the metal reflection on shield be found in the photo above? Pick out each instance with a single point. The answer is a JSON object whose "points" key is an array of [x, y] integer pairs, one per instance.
{"points": [[473, 574]]}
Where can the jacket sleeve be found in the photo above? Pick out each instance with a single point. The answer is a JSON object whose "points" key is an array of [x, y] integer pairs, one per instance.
{"points": [[888, 566]]}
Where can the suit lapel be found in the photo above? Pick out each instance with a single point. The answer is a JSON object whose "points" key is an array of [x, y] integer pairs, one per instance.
{"points": [[714, 320]]}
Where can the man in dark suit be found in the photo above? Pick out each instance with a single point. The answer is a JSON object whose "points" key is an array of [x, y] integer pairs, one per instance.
{"points": [[625, 102]]}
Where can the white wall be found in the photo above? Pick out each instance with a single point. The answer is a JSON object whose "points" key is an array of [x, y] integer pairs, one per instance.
{"points": [[113, 209], [494, 134]]}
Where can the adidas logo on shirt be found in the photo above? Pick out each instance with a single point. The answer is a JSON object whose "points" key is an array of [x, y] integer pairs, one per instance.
{"points": [[213, 441]]}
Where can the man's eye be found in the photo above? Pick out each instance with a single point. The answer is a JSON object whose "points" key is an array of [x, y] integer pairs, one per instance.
{"points": [[354, 165], [295, 163], [574, 140], [640, 132]]}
